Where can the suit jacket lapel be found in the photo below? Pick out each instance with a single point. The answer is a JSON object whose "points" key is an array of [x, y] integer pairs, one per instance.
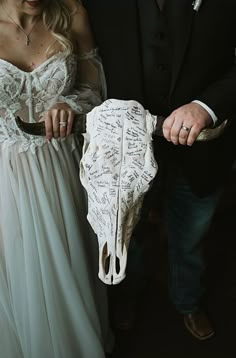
{"points": [[161, 3], [145, 13], [179, 14]]}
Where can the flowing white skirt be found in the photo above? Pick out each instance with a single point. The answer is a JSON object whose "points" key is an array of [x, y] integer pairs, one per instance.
{"points": [[52, 304]]}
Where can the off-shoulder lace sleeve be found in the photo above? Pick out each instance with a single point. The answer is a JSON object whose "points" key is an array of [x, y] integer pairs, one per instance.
{"points": [[90, 84]]}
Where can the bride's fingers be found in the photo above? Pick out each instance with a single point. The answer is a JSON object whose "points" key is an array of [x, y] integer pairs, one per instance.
{"points": [[70, 120], [55, 114], [58, 122], [48, 125], [63, 122]]}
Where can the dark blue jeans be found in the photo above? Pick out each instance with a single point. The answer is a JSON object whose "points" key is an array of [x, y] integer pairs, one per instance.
{"points": [[188, 218]]}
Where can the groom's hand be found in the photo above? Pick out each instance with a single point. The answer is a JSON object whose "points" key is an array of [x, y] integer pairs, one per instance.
{"points": [[185, 123]]}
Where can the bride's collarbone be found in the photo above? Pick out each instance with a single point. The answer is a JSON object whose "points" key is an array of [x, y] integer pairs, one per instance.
{"points": [[25, 52], [26, 58]]}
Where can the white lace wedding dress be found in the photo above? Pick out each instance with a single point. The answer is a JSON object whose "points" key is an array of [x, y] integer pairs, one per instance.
{"points": [[52, 304]]}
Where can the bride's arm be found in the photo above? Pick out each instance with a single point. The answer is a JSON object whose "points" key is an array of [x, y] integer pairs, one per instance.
{"points": [[90, 87]]}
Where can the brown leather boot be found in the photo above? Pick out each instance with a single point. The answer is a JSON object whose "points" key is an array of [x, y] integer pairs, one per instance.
{"points": [[198, 324]]}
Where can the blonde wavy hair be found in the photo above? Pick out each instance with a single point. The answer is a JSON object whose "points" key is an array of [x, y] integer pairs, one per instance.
{"points": [[57, 18]]}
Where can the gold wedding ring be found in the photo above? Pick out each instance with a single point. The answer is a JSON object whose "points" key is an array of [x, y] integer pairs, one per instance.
{"points": [[185, 128]]}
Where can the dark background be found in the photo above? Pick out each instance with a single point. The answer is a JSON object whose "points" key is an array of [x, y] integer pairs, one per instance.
{"points": [[158, 330]]}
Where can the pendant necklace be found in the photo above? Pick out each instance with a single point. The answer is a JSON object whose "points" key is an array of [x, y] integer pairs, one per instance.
{"points": [[27, 36]]}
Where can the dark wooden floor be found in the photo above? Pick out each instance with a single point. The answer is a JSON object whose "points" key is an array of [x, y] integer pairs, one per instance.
{"points": [[159, 331]]}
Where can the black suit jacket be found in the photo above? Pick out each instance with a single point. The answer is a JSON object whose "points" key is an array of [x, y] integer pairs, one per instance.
{"points": [[203, 67]]}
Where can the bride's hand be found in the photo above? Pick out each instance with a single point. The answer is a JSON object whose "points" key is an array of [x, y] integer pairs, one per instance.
{"points": [[58, 121]]}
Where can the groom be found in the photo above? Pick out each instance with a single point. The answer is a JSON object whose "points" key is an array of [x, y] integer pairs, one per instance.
{"points": [[176, 57]]}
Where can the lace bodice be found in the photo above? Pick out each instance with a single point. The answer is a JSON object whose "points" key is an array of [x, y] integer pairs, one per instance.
{"points": [[30, 94]]}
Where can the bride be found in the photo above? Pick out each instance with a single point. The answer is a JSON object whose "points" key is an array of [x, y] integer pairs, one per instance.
{"points": [[51, 303]]}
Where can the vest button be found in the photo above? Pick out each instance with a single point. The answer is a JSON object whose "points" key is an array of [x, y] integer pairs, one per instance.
{"points": [[163, 97], [161, 36], [161, 67]]}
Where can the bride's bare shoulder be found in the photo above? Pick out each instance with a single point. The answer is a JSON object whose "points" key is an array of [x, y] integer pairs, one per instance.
{"points": [[80, 25], [76, 9]]}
